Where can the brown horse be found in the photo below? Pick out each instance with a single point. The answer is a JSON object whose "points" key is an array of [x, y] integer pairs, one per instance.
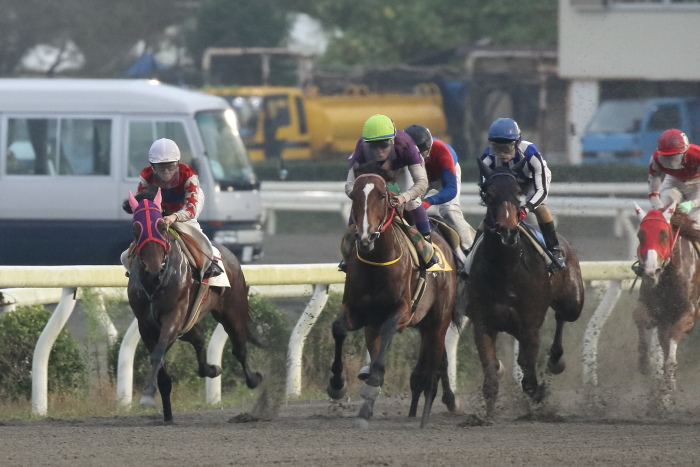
{"points": [[161, 292], [510, 288], [670, 289], [380, 286]]}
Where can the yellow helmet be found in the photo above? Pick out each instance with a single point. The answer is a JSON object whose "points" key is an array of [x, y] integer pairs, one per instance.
{"points": [[378, 127]]}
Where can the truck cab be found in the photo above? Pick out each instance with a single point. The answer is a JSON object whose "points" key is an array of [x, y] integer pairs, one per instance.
{"points": [[626, 130]]}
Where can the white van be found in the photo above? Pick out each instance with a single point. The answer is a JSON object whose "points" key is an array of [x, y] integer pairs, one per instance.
{"points": [[71, 149]]}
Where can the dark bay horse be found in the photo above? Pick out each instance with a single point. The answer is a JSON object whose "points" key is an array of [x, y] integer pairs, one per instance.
{"points": [[380, 285], [670, 289], [510, 289], [161, 293]]}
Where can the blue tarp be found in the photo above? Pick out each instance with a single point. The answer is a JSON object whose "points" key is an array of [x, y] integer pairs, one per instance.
{"points": [[144, 67]]}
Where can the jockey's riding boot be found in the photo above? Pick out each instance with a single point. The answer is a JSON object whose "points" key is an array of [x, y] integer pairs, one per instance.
{"points": [[213, 270], [464, 272], [434, 260], [550, 239], [343, 266]]}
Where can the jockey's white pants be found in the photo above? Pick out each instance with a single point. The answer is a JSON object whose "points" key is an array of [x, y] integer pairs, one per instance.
{"points": [[673, 189], [452, 212]]}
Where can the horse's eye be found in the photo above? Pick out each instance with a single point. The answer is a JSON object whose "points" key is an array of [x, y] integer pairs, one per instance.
{"points": [[641, 236], [663, 237], [382, 195]]}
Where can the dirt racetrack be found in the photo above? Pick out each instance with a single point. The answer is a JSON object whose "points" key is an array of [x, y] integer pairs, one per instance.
{"points": [[323, 434]]}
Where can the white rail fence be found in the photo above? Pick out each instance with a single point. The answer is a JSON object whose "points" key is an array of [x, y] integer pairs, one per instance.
{"points": [[315, 280], [587, 200]]}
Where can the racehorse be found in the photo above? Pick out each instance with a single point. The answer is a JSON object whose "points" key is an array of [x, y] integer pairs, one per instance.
{"points": [[162, 291], [670, 289], [380, 286], [509, 288]]}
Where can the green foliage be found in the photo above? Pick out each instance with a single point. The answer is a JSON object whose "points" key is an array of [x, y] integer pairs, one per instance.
{"points": [[19, 333]]}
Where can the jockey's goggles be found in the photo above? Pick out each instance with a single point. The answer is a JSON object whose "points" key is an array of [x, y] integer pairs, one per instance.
{"points": [[165, 167], [503, 148], [383, 144]]}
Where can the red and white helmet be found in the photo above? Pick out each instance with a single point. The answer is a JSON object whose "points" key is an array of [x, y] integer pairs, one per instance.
{"points": [[672, 142]]}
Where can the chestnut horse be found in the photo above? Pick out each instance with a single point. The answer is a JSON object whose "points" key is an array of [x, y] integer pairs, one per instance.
{"points": [[161, 292], [670, 289], [510, 289], [380, 285]]}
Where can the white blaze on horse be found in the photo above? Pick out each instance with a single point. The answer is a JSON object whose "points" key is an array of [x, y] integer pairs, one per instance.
{"points": [[669, 265]]}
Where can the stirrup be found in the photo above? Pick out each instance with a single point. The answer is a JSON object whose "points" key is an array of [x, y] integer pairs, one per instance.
{"points": [[433, 261], [213, 270], [558, 260]]}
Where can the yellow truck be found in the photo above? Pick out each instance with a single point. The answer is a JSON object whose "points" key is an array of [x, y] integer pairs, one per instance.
{"points": [[286, 123]]}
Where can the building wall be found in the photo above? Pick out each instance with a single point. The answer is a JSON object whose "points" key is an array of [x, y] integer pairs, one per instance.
{"points": [[605, 39]]}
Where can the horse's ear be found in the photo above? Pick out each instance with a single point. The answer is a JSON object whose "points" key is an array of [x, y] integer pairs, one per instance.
{"points": [[132, 201], [483, 169], [158, 199], [519, 166], [668, 212], [640, 212]]}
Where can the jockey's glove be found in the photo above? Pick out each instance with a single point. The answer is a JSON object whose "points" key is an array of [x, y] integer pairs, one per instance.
{"points": [[686, 206], [395, 201], [522, 214]]}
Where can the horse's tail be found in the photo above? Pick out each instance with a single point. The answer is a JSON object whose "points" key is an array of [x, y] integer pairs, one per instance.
{"points": [[460, 305]]}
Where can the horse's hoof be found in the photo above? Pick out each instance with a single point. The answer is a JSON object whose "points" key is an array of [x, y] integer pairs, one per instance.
{"points": [[147, 401], [364, 373], [336, 394], [556, 368], [361, 423], [254, 380], [369, 392], [217, 370]]}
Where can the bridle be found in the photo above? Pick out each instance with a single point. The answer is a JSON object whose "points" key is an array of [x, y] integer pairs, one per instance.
{"points": [[383, 225], [674, 237], [489, 221]]}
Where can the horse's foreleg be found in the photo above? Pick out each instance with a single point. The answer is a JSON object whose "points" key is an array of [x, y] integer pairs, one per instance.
{"points": [[641, 319], [486, 346], [195, 336], [165, 386], [527, 359], [336, 388], [370, 390]]}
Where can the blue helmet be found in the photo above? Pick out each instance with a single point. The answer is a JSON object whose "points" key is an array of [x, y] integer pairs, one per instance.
{"points": [[504, 130]]}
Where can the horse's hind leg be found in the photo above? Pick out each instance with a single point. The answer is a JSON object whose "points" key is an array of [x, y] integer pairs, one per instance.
{"points": [[448, 397], [336, 385], [556, 364], [236, 329], [196, 337]]}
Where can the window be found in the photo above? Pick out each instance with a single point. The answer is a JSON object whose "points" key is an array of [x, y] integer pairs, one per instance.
{"points": [[142, 134], [664, 117], [60, 146]]}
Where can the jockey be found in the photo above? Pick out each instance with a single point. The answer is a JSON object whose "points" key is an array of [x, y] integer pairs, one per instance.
{"points": [[674, 174], [382, 142], [506, 149], [183, 198], [445, 176]]}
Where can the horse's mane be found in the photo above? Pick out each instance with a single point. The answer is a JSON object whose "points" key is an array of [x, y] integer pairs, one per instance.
{"points": [[375, 167], [149, 193], [686, 225]]}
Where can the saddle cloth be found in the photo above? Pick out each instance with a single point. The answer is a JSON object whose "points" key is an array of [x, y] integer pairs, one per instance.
{"points": [[191, 241]]}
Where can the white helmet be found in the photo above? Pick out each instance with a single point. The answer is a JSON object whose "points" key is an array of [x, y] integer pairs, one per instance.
{"points": [[163, 150]]}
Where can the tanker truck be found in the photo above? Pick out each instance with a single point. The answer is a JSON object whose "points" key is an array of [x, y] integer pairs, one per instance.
{"points": [[286, 123]]}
